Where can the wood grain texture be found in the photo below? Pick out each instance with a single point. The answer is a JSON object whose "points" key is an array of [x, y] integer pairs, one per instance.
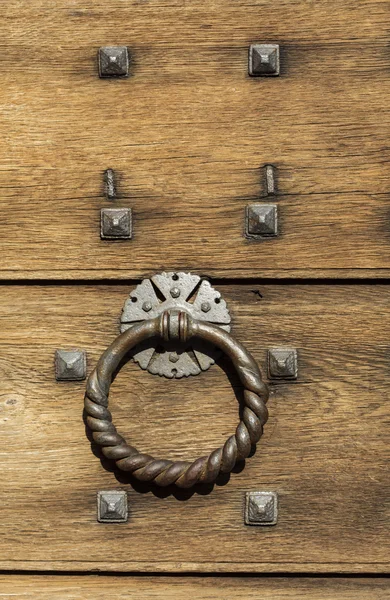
{"points": [[325, 450], [187, 133], [14, 587]]}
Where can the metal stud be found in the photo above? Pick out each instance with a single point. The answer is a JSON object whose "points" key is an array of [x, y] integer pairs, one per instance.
{"points": [[112, 506], [113, 61], [109, 180], [175, 292], [261, 220], [115, 223], [147, 306], [70, 365], [264, 60], [261, 508], [282, 363], [205, 307], [270, 185]]}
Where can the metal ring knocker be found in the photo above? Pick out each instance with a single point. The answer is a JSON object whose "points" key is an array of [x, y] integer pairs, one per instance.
{"points": [[176, 325]]}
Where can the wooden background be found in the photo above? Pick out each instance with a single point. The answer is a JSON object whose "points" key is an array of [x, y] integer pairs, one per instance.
{"points": [[188, 132], [325, 449]]}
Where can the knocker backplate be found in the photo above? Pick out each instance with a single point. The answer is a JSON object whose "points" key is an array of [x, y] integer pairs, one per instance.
{"points": [[182, 291]]}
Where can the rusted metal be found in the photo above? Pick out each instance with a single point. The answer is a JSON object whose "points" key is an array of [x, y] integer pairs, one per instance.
{"points": [[112, 506], [264, 60], [261, 508], [116, 223], [169, 291], [282, 363], [270, 183], [261, 221], [109, 181], [70, 365], [113, 61], [176, 325]]}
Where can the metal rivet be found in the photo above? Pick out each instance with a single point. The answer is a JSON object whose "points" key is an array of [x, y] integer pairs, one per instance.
{"points": [[115, 223], [282, 363], [173, 357], [270, 185], [112, 506], [261, 508], [70, 365], [113, 61], [205, 307], [147, 306], [264, 60], [261, 220], [109, 180], [175, 292]]}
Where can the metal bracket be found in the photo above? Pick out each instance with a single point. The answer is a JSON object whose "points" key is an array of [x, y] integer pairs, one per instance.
{"points": [[184, 292]]}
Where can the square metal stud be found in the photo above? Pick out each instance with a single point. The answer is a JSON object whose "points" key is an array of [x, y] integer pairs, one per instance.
{"points": [[282, 363], [112, 506], [261, 508], [261, 220], [264, 60], [115, 223], [70, 365], [113, 61]]}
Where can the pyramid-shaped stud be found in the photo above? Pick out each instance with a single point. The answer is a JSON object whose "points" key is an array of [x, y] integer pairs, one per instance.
{"points": [[70, 365], [261, 508], [112, 506], [264, 60], [282, 363], [115, 223], [261, 220], [113, 61]]}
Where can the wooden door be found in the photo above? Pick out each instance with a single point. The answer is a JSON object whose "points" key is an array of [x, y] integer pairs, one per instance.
{"points": [[196, 148]]}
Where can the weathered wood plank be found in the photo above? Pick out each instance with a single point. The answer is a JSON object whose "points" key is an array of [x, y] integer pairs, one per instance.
{"points": [[187, 133], [325, 449], [207, 588]]}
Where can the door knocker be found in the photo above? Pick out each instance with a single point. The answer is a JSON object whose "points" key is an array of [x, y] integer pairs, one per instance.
{"points": [[178, 312]]}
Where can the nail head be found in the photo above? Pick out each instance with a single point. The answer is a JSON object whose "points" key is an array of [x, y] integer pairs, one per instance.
{"points": [[261, 508], [282, 363], [70, 365], [113, 61], [112, 506], [115, 223], [264, 60], [175, 292], [261, 220]]}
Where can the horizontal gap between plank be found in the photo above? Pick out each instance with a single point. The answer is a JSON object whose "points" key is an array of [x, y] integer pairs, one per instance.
{"points": [[198, 575], [215, 280]]}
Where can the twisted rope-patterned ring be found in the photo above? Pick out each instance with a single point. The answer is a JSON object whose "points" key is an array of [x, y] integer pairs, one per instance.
{"points": [[176, 325]]}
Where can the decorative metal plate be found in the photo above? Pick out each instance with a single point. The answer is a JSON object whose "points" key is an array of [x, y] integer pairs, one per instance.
{"points": [[182, 291]]}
